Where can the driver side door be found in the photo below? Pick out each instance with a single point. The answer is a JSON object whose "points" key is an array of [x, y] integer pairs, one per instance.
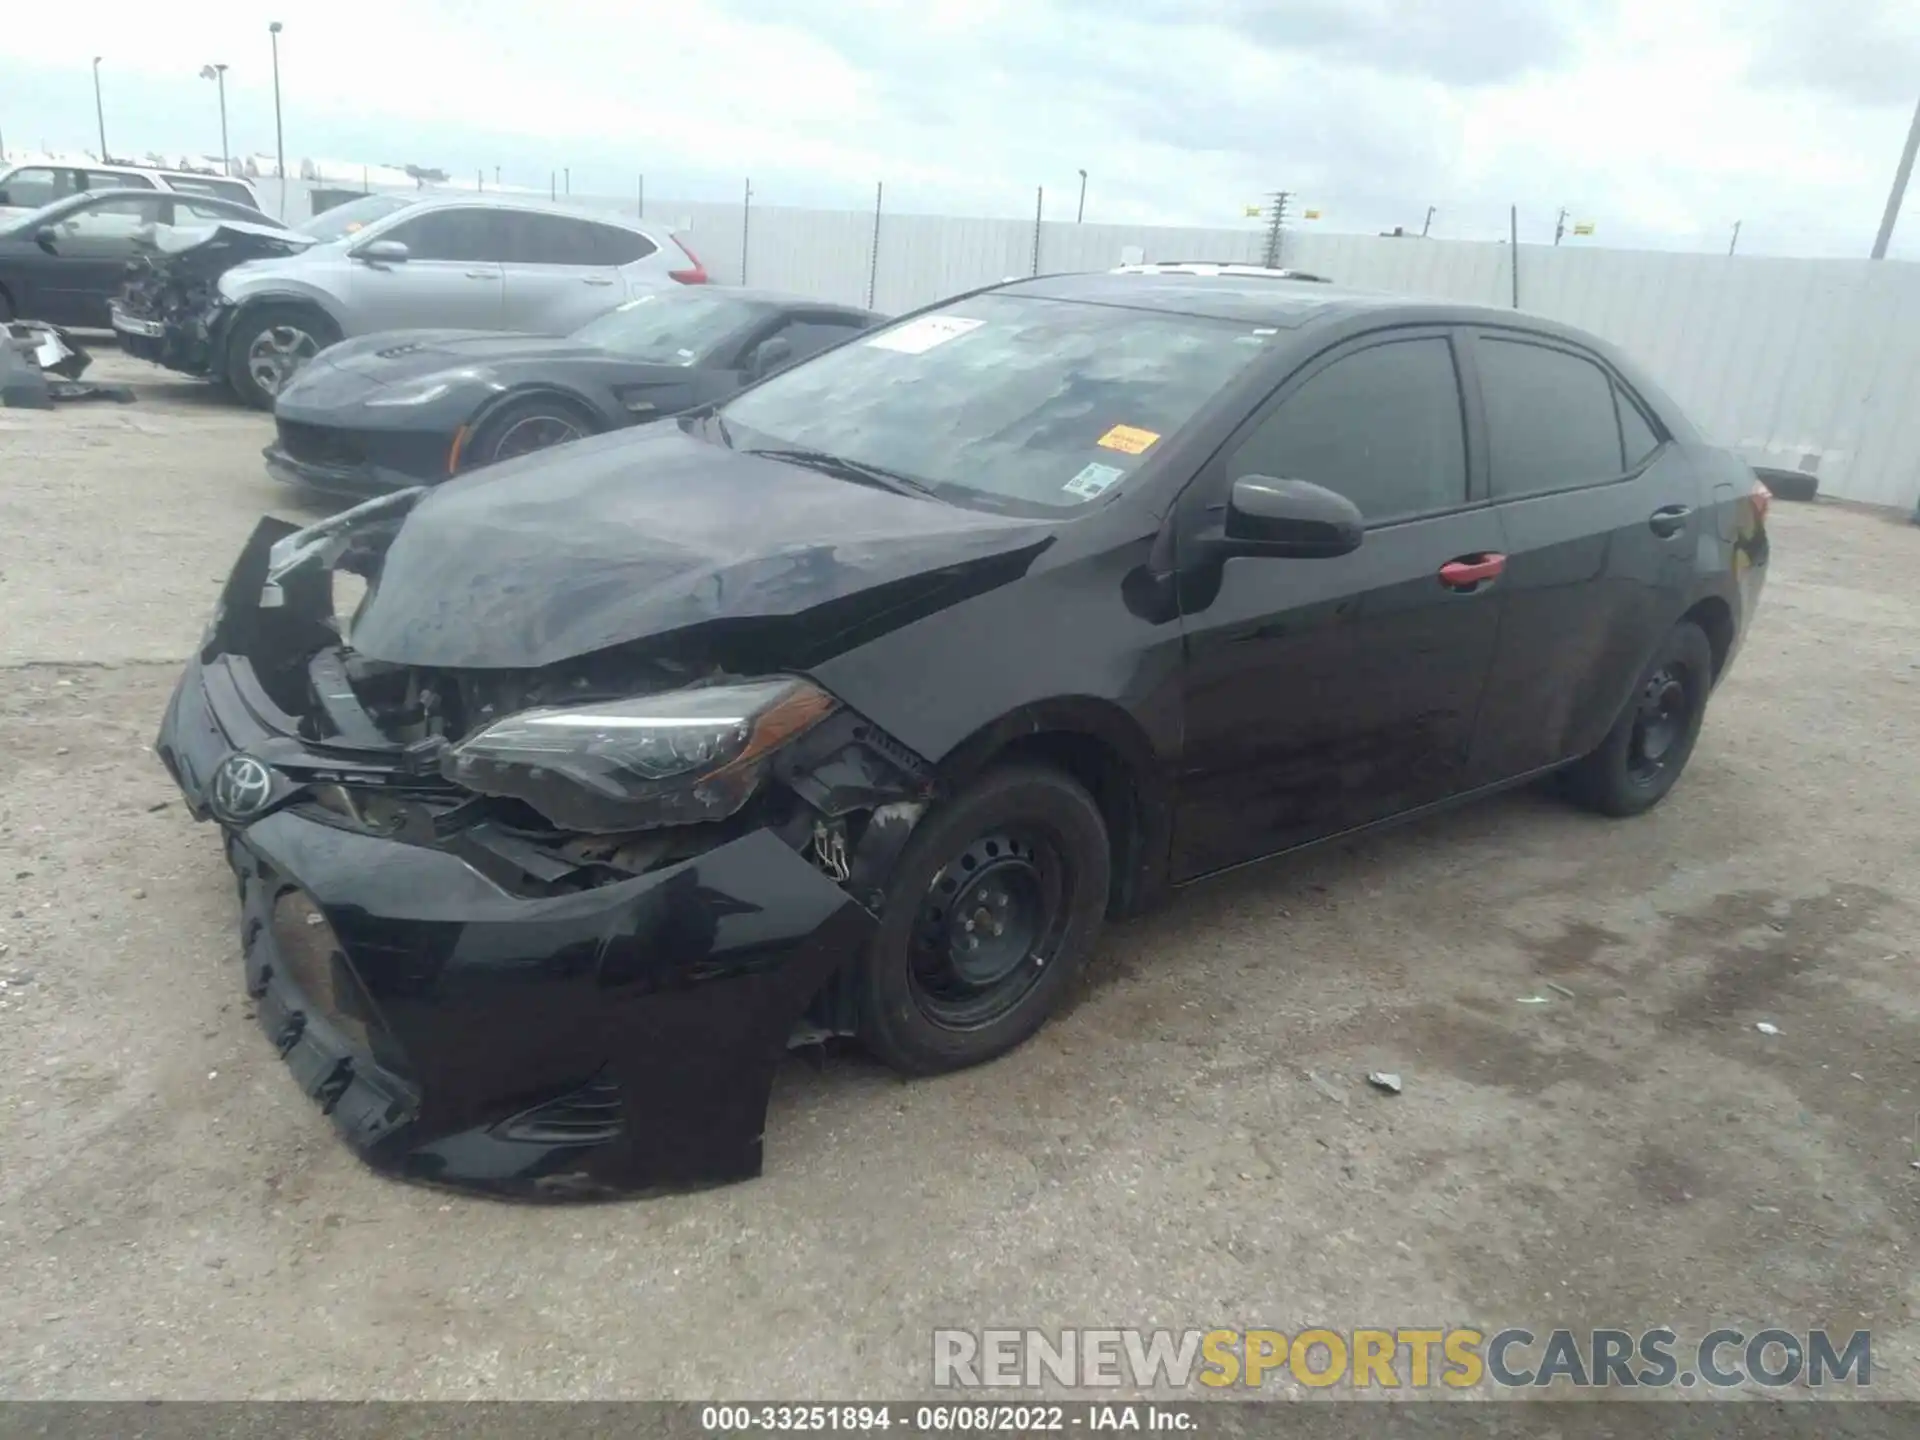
{"points": [[91, 248], [1326, 694]]}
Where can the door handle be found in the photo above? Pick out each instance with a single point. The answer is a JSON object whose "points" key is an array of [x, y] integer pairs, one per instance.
{"points": [[595, 280], [481, 275], [1470, 572], [1669, 520]]}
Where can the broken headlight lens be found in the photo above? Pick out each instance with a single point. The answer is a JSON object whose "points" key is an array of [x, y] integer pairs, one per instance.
{"points": [[672, 759]]}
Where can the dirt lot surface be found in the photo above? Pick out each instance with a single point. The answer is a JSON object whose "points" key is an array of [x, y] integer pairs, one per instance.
{"points": [[1193, 1144]]}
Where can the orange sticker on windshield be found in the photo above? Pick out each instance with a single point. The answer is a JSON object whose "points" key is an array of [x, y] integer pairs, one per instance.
{"points": [[1127, 439]]}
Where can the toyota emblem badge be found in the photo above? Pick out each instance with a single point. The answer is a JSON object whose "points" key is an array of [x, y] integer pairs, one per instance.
{"points": [[242, 788]]}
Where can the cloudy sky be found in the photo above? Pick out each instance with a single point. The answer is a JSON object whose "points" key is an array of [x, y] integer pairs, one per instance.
{"points": [[1662, 121]]}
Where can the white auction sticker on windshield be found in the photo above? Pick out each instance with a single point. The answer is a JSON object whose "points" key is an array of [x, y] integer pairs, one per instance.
{"points": [[1092, 480], [916, 337]]}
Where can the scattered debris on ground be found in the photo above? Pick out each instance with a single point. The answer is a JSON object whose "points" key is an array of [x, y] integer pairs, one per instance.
{"points": [[1385, 1080]]}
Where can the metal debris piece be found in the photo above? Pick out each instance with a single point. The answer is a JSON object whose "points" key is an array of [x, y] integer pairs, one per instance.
{"points": [[1533, 1000], [1767, 1027], [1561, 990], [1385, 1080]]}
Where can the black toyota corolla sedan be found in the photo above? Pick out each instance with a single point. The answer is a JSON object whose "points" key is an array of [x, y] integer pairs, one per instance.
{"points": [[856, 704], [412, 407]]}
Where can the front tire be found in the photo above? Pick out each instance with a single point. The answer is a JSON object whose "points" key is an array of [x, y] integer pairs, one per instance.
{"points": [[995, 904], [538, 422], [270, 345], [1650, 743]]}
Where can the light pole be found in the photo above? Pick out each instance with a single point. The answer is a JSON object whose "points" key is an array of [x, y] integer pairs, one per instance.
{"points": [[1902, 172], [99, 110], [279, 135], [1081, 213], [218, 74]]}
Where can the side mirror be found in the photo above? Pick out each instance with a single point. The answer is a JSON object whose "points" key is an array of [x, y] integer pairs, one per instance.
{"points": [[1291, 518], [46, 237], [382, 252], [770, 356]]}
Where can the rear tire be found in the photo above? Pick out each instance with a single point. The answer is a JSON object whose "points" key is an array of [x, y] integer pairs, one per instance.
{"points": [[995, 904], [1650, 743], [538, 422], [268, 347]]}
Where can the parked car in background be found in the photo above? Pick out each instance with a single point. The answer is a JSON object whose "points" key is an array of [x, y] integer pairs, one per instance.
{"points": [[395, 262], [414, 407], [65, 262], [29, 186], [856, 704]]}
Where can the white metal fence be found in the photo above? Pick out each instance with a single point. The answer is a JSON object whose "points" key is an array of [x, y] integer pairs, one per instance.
{"points": [[1804, 364]]}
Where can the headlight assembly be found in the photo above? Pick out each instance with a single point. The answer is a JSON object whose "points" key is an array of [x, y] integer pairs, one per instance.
{"points": [[672, 759], [419, 395]]}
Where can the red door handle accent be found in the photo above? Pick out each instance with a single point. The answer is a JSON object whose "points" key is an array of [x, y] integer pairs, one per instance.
{"points": [[1465, 574]]}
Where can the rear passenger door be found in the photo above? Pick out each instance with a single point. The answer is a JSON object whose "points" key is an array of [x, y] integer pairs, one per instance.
{"points": [[1599, 523], [1324, 694], [558, 274], [451, 278]]}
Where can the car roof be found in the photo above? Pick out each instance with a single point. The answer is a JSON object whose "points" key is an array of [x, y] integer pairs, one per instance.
{"points": [[1266, 297], [183, 197], [785, 300]]}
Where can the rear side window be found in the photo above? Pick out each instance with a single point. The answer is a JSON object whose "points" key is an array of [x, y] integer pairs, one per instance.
{"points": [[456, 234], [1551, 423], [536, 239], [108, 180], [1636, 435], [218, 189], [613, 245], [39, 185], [1381, 426]]}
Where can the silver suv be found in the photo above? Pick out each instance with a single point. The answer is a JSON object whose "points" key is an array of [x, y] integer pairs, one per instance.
{"points": [[396, 262]]}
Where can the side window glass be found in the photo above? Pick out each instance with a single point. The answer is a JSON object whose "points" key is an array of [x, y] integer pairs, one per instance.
{"points": [[615, 246], [536, 239], [809, 337], [1635, 433], [467, 235], [1551, 423], [1381, 426], [31, 188], [98, 180]]}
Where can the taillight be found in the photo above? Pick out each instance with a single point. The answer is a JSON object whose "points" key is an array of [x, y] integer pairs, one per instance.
{"points": [[1762, 498], [697, 275]]}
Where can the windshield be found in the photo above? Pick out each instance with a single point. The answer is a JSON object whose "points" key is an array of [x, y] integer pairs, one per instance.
{"points": [[1042, 402], [671, 328], [344, 220]]}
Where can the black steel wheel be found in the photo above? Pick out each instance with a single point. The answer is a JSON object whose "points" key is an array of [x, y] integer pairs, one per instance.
{"points": [[1653, 737], [538, 422], [993, 906]]}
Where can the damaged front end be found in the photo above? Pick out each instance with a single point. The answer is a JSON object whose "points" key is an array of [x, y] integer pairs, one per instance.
{"points": [[170, 310], [541, 932]]}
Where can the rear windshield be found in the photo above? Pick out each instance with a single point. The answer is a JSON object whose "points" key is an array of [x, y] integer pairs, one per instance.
{"points": [[344, 220], [675, 327], [1042, 403], [219, 189]]}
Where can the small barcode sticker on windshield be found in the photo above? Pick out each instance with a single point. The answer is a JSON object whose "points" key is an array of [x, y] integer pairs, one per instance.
{"points": [[1092, 480], [916, 337]]}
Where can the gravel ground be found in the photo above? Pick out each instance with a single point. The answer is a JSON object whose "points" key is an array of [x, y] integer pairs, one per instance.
{"points": [[1192, 1144]]}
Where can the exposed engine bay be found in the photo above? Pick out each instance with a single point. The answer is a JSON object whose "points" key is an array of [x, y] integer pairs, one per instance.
{"points": [[172, 296]]}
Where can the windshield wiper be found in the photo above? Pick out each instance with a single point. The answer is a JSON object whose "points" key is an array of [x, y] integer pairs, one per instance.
{"points": [[857, 471]]}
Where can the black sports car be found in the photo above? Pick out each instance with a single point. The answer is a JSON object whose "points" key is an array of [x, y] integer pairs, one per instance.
{"points": [[412, 407], [856, 704]]}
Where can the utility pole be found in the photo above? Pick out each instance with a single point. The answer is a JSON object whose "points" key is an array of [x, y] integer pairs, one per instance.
{"points": [[100, 110], [566, 181], [640, 197], [218, 74], [279, 130], [1734, 243], [1559, 225], [1081, 213], [746, 217], [1276, 222], [873, 252], [1427, 224], [1895, 198], [1513, 250], [1039, 209]]}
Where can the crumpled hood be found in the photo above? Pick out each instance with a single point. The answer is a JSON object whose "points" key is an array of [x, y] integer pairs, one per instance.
{"points": [[213, 250], [637, 534]]}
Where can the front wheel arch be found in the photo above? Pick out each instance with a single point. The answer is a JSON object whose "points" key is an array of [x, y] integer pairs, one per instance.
{"points": [[584, 409]]}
